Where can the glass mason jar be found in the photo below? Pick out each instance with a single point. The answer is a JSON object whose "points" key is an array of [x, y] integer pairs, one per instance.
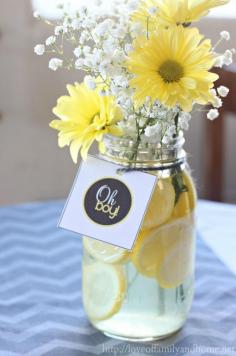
{"points": [[146, 294]]}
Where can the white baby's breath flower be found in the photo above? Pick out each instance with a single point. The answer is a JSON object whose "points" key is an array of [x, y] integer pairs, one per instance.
{"points": [[102, 28], [185, 116], [219, 62], [50, 40], [79, 63], [86, 50], [84, 37], [223, 91], [39, 49], [60, 6], [152, 10], [132, 5], [136, 29], [228, 57], [83, 10], [152, 130], [36, 15], [98, 2], [129, 48], [213, 114], [225, 35], [55, 63], [166, 139], [89, 82], [213, 92], [184, 119], [171, 130], [75, 24], [121, 81], [88, 23], [109, 45], [77, 52], [217, 102], [58, 30]]}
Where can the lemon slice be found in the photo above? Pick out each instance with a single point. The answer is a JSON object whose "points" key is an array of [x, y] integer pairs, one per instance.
{"points": [[187, 200], [178, 254], [192, 190], [147, 252], [105, 252], [104, 288], [161, 205], [152, 248]]}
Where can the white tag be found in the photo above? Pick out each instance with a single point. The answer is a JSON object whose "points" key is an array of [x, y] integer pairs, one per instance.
{"points": [[106, 205]]}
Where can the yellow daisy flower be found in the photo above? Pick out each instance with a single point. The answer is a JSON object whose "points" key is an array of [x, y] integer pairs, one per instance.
{"points": [[173, 67], [85, 116], [175, 12]]}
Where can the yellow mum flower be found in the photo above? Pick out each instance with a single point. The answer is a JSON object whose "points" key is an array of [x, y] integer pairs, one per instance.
{"points": [[85, 116], [174, 12], [173, 67]]}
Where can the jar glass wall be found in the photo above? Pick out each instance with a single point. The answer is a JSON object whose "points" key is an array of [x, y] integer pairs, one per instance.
{"points": [[146, 294]]}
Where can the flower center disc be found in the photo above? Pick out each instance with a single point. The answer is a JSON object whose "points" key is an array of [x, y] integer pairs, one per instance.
{"points": [[171, 71]]}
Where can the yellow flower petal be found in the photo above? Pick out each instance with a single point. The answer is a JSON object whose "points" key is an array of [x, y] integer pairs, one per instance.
{"points": [[173, 12], [178, 74], [85, 116]]}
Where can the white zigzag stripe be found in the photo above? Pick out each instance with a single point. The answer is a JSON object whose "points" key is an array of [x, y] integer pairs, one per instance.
{"points": [[211, 296], [34, 207], [38, 309], [207, 332], [50, 217], [44, 266], [45, 282], [41, 228], [44, 239], [57, 344], [9, 353], [220, 314], [44, 328], [223, 279], [47, 253], [36, 294], [32, 214], [39, 244]]}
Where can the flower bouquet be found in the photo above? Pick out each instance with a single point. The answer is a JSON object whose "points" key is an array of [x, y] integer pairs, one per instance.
{"points": [[147, 70]]}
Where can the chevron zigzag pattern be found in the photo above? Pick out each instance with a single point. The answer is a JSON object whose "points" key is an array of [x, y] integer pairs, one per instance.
{"points": [[41, 310]]}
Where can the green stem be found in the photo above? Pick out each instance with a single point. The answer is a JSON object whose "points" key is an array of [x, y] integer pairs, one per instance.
{"points": [[176, 124], [178, 183], [140, 131]]}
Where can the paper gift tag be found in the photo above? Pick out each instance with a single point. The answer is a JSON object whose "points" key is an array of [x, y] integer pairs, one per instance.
{"points": [[106, 205]]}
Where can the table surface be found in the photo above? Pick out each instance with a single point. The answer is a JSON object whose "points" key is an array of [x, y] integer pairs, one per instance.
{"points": [[40, 298]]}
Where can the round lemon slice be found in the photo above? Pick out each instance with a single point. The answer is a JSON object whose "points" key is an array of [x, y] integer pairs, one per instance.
{"points": [[104, 288], [161, 205], [105, 252], [152, 248], [178, 255]]}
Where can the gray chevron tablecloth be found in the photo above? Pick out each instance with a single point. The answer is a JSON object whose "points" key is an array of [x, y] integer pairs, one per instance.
{"points": [[40, 299]]}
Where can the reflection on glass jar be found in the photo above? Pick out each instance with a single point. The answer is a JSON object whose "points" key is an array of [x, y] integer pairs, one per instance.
{"points": [[146, 293]]}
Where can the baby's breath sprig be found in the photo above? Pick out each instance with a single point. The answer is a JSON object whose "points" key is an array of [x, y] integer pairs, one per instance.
{"points": [[100, 46]]}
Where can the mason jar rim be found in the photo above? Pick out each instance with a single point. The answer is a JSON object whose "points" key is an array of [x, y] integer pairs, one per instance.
{"points": [[124, 151]]}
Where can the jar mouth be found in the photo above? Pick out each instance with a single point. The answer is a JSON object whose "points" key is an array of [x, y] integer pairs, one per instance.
{"points": [[125, 151]]}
